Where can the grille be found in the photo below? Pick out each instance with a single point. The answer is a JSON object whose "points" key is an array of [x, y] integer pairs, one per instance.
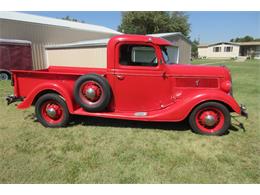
{"points": [[197, 82]]}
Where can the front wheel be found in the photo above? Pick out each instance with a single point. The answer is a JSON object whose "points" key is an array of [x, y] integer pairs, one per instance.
{"points": [[51, 111], [210, 118]]}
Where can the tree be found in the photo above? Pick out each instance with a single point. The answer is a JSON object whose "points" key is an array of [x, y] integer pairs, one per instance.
{"points": [[243, 39], [194, 48], [72, 19], [154, 22]]}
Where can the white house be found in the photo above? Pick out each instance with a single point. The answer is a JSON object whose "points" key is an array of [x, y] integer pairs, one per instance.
{"points": [[229, 50]]}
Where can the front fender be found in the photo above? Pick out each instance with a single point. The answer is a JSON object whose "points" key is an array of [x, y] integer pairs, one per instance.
{"points": [[61, 89], [189, 101], [185, 103]]}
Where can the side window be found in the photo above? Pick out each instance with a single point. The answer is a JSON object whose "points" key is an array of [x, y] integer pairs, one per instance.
{"points": [[137, 55], [216, 49]]}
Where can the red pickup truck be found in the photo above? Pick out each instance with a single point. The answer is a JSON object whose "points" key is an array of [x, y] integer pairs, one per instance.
{"points": [[141, 82]]}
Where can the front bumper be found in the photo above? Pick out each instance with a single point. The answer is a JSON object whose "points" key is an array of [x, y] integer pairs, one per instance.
{"points": [[243, 111]]}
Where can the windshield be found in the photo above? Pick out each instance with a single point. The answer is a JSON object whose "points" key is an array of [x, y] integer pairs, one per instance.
{"points": [[170, 54]]}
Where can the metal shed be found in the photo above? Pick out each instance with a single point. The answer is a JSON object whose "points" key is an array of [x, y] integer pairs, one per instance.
{"points": [[43, 31], [14, 54], [183, 43], [79, 54], [95, 51]]}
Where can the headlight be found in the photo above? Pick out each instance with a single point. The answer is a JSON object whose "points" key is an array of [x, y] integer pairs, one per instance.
{"points": [[226, 86]]}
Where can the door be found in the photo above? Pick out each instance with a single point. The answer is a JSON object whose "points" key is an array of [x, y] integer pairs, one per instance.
{"points": [[140, 81]]}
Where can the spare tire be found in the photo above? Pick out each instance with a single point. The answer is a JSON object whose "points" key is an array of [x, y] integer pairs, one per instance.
{"points": [[92, 92]]}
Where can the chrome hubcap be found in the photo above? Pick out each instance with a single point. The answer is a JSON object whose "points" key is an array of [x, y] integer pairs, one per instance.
{"points": [[90, 94], [210, 120], [3, 76], [51, 112]]}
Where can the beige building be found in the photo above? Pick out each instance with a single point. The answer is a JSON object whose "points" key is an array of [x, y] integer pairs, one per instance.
{"points": [[42, 31], [179, 40], [229, 50], [94, 53], [78, 54]]}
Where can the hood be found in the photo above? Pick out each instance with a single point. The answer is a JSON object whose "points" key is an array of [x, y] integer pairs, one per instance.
{"points": [[198, 70]]}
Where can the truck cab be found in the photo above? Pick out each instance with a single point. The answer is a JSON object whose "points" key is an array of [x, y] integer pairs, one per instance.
{"points": [[142, 81]]}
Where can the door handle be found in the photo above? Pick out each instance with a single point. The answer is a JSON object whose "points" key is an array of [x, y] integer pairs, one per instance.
{"points": [[120, 77], [164, 75]]}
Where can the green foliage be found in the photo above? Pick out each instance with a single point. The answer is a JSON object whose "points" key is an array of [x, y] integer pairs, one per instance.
{"points": [[194, 48], [96, 150], [136, 22], [72, 19], [244, 39]]}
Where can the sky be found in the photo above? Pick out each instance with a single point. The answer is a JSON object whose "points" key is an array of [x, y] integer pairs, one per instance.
{"points": [[208, 27]]}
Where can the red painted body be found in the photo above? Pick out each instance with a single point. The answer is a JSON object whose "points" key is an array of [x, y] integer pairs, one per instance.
{"points": [[162, 93]]}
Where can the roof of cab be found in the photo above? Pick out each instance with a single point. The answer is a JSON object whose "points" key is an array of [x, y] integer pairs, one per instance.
{"points": [[141, 38]]}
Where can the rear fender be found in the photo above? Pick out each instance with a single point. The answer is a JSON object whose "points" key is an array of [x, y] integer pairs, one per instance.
{"points": [[62, 90]]}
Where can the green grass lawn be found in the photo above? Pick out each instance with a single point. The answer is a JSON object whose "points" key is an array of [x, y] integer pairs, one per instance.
{"points": [[93, 150]]}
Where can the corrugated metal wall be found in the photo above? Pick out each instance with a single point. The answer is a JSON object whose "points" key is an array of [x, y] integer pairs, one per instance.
{"points": [[41, 35], [184, 49], [78, 57]]}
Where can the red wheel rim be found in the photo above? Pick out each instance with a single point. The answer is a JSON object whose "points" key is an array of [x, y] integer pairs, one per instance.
{"points": [[52, 112], [210, 119], [91, 93]]}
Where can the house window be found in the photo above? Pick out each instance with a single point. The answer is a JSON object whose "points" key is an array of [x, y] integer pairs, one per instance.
{"points": [[228, 49], [216, 49]]}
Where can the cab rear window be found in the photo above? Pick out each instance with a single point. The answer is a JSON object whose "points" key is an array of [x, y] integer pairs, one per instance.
{"points": [[137, 55]]}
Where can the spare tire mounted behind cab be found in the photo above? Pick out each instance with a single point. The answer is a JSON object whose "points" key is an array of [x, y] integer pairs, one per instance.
{"points": [[92, 92]]}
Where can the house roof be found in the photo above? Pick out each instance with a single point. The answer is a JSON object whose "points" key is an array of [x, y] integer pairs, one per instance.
{"points": [[203, 45], [249, 43], [226, 43], [231, 43], [55, 22], [171, 34]]}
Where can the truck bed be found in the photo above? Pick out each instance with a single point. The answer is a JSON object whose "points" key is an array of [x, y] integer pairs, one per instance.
{"points": [[26, 80]]}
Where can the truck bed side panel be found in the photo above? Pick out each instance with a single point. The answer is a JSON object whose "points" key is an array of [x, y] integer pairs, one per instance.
{"points": [[29, 84]]}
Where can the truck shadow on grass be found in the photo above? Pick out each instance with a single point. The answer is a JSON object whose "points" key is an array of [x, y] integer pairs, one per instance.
{"points": [[119, 123]]}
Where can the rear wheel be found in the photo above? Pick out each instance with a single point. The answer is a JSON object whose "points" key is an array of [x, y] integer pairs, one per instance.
{"points": [[4, 76], [51, 111], [210, 118]]}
